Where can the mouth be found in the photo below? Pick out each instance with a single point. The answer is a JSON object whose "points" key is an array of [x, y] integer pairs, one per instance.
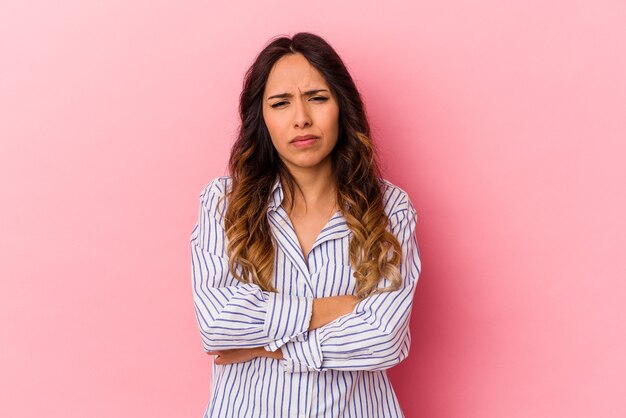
{"points": [[306, 142], [304, 138]]}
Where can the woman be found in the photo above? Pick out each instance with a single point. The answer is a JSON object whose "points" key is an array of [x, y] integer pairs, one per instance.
{"points": [[304, 259]]}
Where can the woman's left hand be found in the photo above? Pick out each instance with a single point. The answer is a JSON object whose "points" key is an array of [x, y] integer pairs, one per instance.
{"points": [[240, 355]]}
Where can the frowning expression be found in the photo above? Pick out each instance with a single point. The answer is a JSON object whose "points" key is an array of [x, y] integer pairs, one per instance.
{"points": [[297, 101]]}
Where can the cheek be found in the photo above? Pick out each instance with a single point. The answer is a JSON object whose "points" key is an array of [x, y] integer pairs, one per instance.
{"points": [[331, 122], [269, 122], [272, 123]]}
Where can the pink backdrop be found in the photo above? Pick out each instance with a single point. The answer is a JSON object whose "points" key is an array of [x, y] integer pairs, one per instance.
{"points": [[505, 122]]}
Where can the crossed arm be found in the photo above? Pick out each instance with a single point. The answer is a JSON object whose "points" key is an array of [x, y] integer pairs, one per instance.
{"points": [[240, 321], [325, 310]]}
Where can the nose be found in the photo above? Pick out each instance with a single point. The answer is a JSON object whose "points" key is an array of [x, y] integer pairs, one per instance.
{"points": [[302, 117]]}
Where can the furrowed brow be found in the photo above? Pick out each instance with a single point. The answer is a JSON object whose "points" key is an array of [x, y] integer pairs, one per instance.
{"points": [[289, 95]]}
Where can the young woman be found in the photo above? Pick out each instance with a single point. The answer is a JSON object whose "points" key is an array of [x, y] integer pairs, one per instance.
{"points": [[304, 259]]}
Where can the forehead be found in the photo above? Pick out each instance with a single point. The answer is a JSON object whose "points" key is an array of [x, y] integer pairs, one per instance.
{"points": [[292, 72]]}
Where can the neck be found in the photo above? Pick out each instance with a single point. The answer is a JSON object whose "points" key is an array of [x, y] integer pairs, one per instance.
{"points": [[318, 187]]}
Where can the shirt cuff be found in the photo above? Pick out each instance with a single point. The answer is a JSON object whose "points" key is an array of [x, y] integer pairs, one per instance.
{"points": [[287, 319], [302, 356]]}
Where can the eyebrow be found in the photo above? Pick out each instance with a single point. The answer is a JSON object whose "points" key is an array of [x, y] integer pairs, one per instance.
{"points": [[287, 95]]}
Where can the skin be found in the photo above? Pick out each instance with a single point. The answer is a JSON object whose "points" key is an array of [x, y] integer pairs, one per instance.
{"points": [[286, 117]]}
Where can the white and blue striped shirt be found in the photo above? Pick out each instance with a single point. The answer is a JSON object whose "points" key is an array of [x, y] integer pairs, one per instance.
{"points": [[337, 370]]}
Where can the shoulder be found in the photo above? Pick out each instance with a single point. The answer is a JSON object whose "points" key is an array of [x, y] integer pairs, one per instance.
{"points": [[395, 198], [217, 186], [212, 194]]}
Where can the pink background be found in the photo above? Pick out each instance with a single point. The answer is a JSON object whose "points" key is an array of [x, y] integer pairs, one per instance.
{"points": [[505, 122]]}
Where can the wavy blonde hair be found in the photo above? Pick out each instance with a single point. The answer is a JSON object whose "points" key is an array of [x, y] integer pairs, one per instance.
{"points": [[254, 165]]}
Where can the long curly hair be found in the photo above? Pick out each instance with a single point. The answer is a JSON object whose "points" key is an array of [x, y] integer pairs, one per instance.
{"points": [[254, 165]]}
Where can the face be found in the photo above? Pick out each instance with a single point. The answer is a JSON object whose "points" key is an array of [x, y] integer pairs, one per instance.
{"points": [[297, 101]]}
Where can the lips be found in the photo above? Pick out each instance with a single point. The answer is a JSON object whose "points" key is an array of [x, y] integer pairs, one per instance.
{"points": [[303, 138], [305, 142]]}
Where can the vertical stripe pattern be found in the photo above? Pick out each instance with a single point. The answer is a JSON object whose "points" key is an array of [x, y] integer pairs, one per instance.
{"points": [[337, 370]]}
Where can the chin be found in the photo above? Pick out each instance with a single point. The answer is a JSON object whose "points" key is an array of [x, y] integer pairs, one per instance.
{"points": [[305, 163]]}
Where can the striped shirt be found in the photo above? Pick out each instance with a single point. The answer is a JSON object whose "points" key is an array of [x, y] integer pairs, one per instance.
{"points": [[337, 370]]}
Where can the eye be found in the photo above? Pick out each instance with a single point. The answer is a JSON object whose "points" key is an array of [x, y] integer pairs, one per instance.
{"points": [[319, 99]]}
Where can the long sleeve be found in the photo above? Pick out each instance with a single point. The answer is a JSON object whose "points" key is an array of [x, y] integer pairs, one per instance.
{"points": [[231, 314], [376, 334]]}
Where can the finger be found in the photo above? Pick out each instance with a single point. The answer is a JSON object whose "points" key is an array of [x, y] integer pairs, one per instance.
{"points": [[221, 360]]}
